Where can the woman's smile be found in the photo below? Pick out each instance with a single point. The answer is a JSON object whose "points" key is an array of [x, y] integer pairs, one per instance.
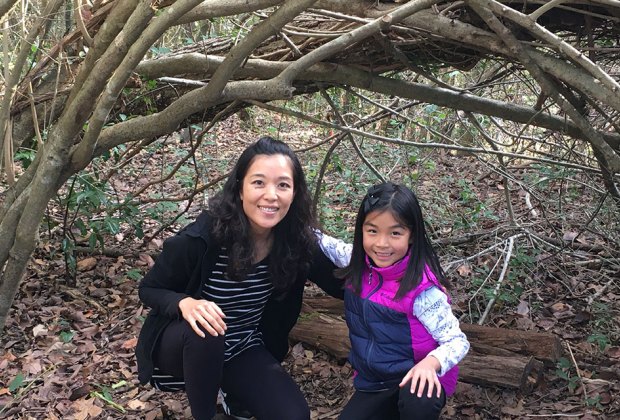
{"points": [[267, 192]]}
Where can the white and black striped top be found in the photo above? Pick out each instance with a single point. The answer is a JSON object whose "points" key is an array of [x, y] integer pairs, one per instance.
{"points": [[243, 303]]}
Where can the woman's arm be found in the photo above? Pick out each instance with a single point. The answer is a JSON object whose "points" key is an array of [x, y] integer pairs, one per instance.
{"points": [[338, 251], [165, 284], [333, 253]]}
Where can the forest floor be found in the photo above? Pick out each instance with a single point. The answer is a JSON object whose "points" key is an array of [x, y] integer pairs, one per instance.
{"points": [[67, 351]]}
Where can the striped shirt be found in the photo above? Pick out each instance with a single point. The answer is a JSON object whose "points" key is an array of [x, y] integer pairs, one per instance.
{"points": [[243, 303]]}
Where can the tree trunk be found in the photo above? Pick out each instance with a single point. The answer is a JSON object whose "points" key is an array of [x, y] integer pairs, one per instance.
{"points": [[498, 356]]}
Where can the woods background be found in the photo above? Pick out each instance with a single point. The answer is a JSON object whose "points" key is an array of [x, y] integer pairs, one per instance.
{"points": [[119, 118]]}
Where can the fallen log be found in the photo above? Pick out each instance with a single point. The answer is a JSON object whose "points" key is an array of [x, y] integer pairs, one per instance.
{"points": [[484, 339], [514, 371], [498, 357], [324, 332], [543, 346]]}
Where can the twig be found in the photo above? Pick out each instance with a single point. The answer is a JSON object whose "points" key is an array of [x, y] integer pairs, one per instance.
{"points": [[572, 356], [76, 294], [350, 136], [429, 145], [479, 289], [484, 251], [528, 202], [558, 244], [330, 414], [79, 20], [113, 252], [595, 296], [290, 44], [321, 174], [35, 119], [544, 8], [502, 275], [9, 165], [486, 136], [22, 391]]}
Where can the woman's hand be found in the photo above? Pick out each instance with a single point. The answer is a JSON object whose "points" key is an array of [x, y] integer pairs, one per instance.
{"points": [[424, 372], [205, 313]]}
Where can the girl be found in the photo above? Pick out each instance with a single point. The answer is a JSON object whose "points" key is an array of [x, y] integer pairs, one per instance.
{"points": [[405, 341], [226, 290]]}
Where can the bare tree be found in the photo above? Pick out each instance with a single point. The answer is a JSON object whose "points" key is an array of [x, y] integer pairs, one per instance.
{"points": [[68, 84]]}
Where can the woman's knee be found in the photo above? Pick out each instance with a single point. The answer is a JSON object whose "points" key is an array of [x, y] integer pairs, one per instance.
{"points": [[208, 342]]}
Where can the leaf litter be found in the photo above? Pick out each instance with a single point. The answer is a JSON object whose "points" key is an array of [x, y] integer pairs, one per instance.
{"points": [[68, 352]]}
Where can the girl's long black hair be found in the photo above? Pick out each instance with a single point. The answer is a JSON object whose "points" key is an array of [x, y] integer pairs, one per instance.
{"points": [[403, 204], [293, 240]]}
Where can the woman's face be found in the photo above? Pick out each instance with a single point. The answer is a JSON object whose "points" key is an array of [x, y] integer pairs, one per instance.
{"points": [[267, 191]]}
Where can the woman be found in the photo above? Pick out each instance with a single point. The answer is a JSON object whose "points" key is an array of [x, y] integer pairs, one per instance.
{"points": [[227, 289]]}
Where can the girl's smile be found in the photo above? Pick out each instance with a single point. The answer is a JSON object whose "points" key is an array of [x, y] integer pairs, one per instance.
{"points": [[385, 239]]}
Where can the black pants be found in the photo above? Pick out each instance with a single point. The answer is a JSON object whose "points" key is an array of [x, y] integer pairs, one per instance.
{"points": [[254, 377], [393, 404]]}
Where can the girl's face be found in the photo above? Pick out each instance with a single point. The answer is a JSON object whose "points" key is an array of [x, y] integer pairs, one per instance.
{"points": [[267, 191], [385, 239]]}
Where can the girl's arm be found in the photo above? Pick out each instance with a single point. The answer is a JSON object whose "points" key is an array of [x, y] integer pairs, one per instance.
{"points": [[431, 307]]}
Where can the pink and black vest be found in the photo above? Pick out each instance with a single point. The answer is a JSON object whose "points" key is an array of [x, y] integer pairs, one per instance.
{"points": [[386, 338]]}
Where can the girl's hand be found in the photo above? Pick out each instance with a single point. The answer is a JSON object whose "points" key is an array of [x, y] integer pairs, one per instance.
{"points": [[424, 372], [205, 313]]}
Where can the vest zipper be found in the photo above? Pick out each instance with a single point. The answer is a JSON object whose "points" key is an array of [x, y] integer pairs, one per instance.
{"points": [[365, 303]]}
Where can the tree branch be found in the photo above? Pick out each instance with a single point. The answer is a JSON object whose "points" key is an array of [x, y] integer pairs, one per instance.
{"points": [[341, 74], [220, 8], [10, 86], [83, 153], [418, 144], [5, 6], [481, 7], [563, 47], [356, 35]]}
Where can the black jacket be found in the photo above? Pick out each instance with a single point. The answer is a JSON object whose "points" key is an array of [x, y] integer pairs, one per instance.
{"points": [[186, 259]]}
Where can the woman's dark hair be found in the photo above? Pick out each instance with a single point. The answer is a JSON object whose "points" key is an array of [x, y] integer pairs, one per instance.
{"points": [[293, 238], [402, 203]]}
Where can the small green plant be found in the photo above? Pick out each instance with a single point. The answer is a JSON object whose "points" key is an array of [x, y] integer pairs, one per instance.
{"points": [[17, 382], [134, 274], [594, 402], [105, 394], [66, 336], [603, 326], [565, 370], [25, 156]]}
